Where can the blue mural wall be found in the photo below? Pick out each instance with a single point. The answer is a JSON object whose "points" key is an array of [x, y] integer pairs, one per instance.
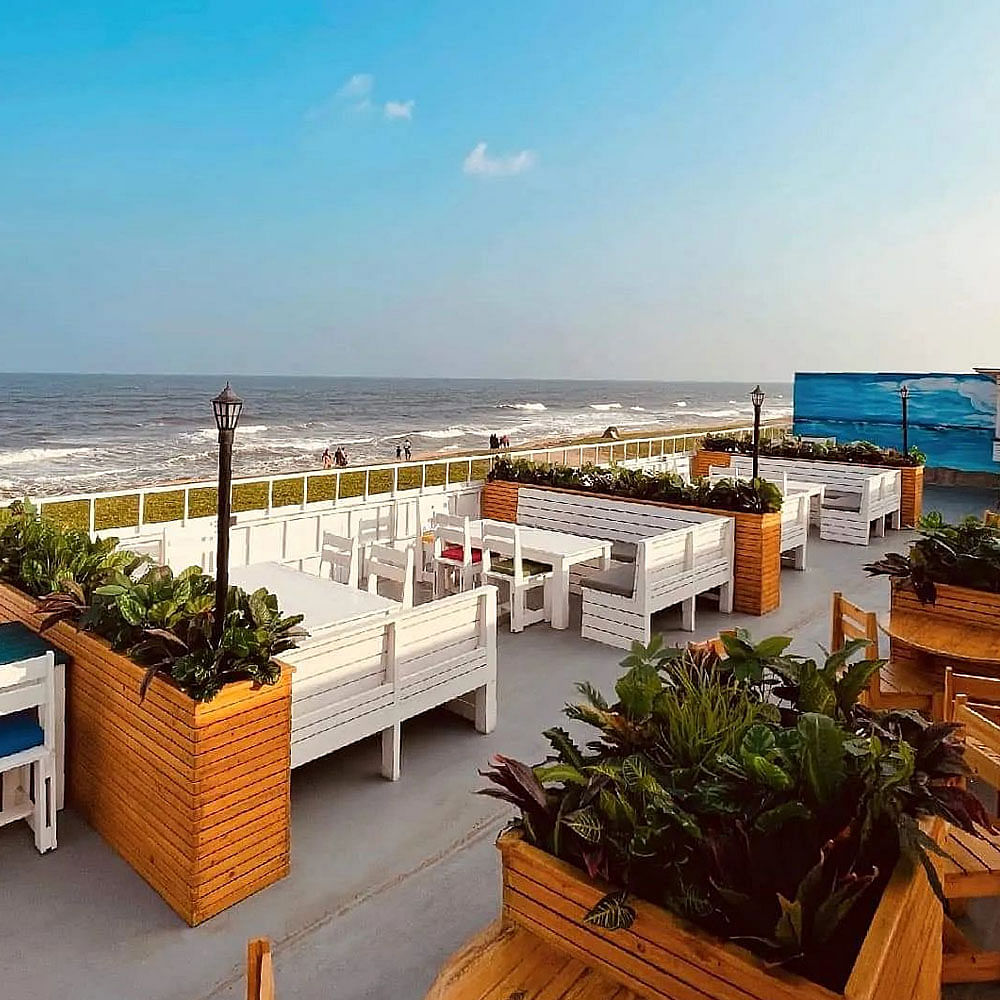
{"points": [[952, 418]]}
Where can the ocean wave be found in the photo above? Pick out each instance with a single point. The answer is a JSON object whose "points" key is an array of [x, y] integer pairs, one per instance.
{"points": [[451, 432], [715, 413], [638, 409], [521, 406], [680, 402], [25, 456], [209, 433], [605, 406]]}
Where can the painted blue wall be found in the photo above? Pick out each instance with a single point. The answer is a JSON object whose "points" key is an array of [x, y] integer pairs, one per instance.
{"points": [[952, 418]]}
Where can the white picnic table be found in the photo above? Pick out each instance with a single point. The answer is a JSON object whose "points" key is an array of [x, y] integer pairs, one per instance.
{"points": [[322, 602], [559, 550]]}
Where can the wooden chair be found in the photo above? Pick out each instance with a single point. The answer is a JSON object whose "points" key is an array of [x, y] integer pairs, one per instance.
{"points": [[341, 555], [456, 562], [28, 746], [397, 565], [504, 565], [260, 970], [901, 683], [972, 866]]}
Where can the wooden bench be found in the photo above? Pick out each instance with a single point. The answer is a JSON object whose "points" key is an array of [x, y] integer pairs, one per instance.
{"points": [[369, 676], [857, 497], [662, 556], [679, 465]]}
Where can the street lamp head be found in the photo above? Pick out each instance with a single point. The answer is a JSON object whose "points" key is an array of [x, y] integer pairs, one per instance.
{"points": [[757, 396], [227, 407], [904, 390]]}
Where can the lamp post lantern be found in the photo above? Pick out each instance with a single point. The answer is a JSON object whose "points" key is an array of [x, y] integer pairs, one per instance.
{"points": [[227, 407], [904, 395], [757, 398]]}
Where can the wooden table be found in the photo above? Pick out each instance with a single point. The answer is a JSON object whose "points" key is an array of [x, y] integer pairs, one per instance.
{"points": [[942, 639], [323, 602], [559, 550]]}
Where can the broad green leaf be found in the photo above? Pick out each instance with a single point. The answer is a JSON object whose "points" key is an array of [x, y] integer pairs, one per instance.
{"points": [[612, 913], [586, 824], [758, 740], [769, 649], [131, 610], [560, 772], [774, 819], [822, 755]]}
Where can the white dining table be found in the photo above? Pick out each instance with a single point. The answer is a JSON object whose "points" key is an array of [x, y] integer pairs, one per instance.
{"points": [[560, 551], [321, 601]]}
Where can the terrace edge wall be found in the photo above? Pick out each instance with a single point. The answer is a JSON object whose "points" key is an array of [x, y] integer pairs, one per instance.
{"points": [[757, 558], [194, 796]]}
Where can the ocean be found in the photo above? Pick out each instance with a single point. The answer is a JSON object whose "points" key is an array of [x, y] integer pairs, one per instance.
{"points": [[84, 433]]}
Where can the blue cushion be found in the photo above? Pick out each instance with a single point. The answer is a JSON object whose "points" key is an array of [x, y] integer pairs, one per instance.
{"points": [[20, 731]]}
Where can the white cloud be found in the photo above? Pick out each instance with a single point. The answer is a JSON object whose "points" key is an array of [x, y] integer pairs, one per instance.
{"points": [[399, 109], [358, 86], [478, 162]]}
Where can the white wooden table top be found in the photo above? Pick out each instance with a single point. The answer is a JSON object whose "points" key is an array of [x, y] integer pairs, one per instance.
{"points": [[323, 602], [813, 489], [545, 545]]}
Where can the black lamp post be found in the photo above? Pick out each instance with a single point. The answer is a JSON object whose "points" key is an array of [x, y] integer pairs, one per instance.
{"points": [[227, 407], [904, 395], [757, 398]]}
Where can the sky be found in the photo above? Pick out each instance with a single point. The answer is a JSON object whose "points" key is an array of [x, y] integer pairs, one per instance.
{"points": [[664, 190]]}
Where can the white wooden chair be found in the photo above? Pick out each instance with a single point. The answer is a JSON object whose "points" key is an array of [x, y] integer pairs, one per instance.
{"points": [[340, 554], [456, 562], [504, 565], [28, 746], [387, 563]]}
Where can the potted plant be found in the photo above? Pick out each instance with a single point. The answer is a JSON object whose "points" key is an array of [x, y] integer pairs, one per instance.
{"points": [[738, 826], [952, 571], [755, 508], [178, 749]]}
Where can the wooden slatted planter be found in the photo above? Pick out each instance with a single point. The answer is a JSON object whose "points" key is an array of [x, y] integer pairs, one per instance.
{"points": [[194, 796], [911, 482], [955, 604], [757, 561], [659, 956]]}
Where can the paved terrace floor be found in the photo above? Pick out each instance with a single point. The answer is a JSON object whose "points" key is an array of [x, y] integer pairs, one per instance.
{"points": [[387, 879]]}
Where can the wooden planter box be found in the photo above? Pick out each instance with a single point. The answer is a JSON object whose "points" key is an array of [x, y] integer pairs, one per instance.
{"points": [[194, 796], [912, 483], [702, 460], [956, 604], [757, 560], [660, 956]]}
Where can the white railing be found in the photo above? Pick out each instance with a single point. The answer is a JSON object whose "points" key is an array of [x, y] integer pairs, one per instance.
{"points": [[367, 483]]}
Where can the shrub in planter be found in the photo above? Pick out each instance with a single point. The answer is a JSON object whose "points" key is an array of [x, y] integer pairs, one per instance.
{"points": [[747, 793], [966, 554], [160, 620], [853, 452], [760, 497]]}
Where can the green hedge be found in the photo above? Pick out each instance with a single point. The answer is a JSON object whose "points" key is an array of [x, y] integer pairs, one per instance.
{"points": [[409, 478], [203, 502], [435, 475], [380, 481], [250, 496], [287, 492], [116, 512], [481, 469], [320, 488], [351, 484], [73, 514], [160, 507], [458, 472]]}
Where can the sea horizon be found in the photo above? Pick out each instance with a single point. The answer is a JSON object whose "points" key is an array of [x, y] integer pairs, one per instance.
{"points": [[69, 433]]}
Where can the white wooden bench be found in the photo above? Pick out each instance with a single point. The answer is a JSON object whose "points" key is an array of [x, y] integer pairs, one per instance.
{"points": [[661, 557], [795, 507], [369, 676], [678, 464], [857, 497]]}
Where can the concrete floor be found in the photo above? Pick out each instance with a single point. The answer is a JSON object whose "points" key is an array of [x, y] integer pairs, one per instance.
{"points": [[387, 879]]}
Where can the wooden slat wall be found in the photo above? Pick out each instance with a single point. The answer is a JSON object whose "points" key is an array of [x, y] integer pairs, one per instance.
{"points": [[912, 506], [195, 797], [757, 562], [702, 460], [660, 956]]}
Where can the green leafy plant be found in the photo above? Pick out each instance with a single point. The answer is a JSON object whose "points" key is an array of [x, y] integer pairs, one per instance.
{"points": [[749, 793], [966, 554], [853, 452], [160, 620], [758, 497]]}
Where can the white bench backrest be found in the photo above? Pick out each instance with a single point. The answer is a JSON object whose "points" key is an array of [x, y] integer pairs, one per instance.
{"points": [[27, 684]]}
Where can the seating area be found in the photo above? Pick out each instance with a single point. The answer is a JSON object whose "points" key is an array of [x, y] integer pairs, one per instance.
{"points": [[426, 838], [857, 501]]}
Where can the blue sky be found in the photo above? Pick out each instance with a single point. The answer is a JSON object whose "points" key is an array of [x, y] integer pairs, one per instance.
{"points": [[668, 190]]}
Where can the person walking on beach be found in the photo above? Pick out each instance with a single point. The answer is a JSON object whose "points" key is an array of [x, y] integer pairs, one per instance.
{"points": [[406, 449], [340, 457], [327, 460], [494, 442], [399, 452]]}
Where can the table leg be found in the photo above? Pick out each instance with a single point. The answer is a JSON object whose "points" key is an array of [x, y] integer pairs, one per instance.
{"points": [[60, 720], [560, 596]]}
